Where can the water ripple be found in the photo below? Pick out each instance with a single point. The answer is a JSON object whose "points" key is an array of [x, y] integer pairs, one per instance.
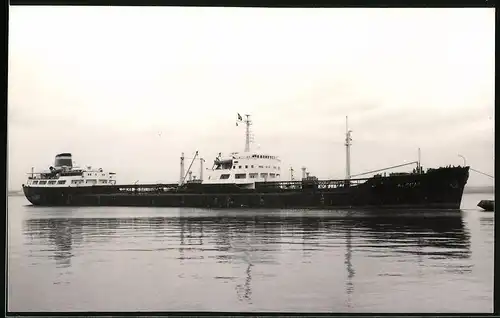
{"points": [[242, 260]]}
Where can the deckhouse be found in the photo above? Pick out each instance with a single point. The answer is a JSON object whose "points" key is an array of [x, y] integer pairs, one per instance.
{"points": [[244, 168], [64, 174]]}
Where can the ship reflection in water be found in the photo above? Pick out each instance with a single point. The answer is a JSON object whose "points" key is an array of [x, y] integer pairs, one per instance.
{"points": [[235, 260]]}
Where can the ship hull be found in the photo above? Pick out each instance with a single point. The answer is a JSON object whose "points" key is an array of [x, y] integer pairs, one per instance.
{"points": [[437, 190], [487, 205]]}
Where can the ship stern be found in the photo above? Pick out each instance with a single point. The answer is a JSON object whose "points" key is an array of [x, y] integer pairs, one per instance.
{"points": [[32, 195]]}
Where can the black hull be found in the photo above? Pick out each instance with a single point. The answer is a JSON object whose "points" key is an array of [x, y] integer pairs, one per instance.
{"points": [[437, 189], [487, 205]]}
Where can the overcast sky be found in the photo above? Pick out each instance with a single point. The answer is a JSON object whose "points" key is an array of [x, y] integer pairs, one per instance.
{"points": [[129, 88]]}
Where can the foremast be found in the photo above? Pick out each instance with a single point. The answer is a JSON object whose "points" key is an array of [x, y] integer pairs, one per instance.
{"points": [[348, 144]]}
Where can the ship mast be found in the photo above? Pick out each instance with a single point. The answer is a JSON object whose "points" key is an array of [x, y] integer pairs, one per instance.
{"points": [[248, 136], [348, 140], [201, 168], [248, 122], [419, 170], [182, 170]]}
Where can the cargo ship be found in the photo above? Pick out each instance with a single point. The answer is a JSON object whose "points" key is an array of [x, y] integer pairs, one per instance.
{"points": [[250, 179]]}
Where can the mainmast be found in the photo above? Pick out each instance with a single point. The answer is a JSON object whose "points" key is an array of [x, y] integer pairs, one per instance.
{"points": [[348, 140], [248, 122], [248, 137]]}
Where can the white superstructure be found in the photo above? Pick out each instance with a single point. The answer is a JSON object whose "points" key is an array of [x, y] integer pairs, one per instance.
{"points": [[244, 168], [63, 174]]}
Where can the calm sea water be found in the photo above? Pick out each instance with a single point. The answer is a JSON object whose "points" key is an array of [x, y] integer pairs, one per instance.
{"points": [[170, 259]]}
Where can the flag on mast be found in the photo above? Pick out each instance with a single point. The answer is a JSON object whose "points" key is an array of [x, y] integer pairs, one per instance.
{"points": [[239, 119]]}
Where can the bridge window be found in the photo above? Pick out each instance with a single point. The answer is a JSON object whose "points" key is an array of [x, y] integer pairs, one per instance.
{"points": [[43, 182], [34, 182], [52, 182], [271, 175], [103, 181], [239, 167], [240, 176], [246, 166], [263, 175], [251, 166], [253, 175], [224, 176], [91, 181], [61, 182], [261, 166], [234, 167]]}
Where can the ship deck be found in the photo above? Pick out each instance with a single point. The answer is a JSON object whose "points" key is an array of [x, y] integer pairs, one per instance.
{"points": [[280, 186]]}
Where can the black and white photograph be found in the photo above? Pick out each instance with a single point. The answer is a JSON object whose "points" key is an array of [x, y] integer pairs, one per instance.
{"points": [[250, 159]]}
